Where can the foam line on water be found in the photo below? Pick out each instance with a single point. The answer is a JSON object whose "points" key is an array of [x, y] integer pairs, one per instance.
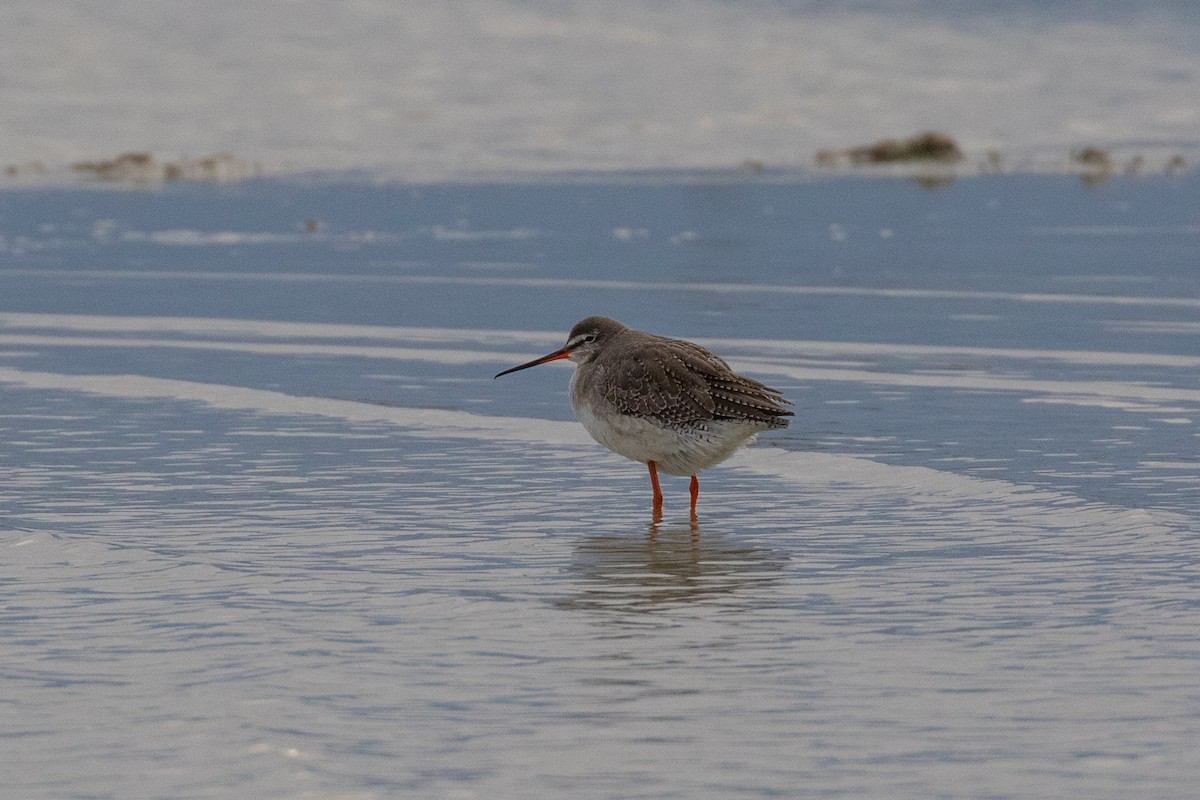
{"points": [[1103, 389], [807, 469], [1086, 390], [204, 326], [430, 422], [618, 285], [426, 354], [210, 326]]}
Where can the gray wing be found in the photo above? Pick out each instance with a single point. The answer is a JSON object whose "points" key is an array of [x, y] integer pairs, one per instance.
{"points": [[680, 383], [653, 384], [734, 396]]}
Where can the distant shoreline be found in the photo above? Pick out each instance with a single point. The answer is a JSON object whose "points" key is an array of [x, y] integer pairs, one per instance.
{"points": [[156, 175]]}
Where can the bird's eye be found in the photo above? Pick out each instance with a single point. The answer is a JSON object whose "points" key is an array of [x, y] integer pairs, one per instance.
{"points": [[591, 337]]}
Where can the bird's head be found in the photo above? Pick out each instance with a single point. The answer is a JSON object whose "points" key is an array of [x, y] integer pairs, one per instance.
{"points": [[584, 343]]}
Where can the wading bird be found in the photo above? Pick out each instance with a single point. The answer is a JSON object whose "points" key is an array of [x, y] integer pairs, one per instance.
{"points": [[667, 403]]}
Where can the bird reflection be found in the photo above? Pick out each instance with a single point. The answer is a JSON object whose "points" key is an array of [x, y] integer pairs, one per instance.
{"points": [[656, 519], [670, 564]]}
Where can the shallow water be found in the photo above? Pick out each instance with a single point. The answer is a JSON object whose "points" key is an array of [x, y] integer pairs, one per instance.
{"points": [[267, 515]]}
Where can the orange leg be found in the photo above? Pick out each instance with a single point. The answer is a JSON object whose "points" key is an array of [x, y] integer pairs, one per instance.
{"points": [[657, 488], [695, 489]]}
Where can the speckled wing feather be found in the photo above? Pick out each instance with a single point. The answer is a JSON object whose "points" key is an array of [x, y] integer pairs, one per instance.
{"points": [[651, 382], [734, 396], [679, 383]]}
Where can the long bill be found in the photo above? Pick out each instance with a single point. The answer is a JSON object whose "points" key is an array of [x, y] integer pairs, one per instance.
{"points": [[555, 356]]}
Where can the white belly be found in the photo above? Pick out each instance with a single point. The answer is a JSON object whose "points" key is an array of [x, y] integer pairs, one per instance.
{"points": [[676, 451]]}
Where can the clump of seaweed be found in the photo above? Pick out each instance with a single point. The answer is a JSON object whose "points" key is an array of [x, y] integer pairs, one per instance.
{"points": [[1096, 164], [144, 168], [125, 167], [1093, 158], [924, 147]]}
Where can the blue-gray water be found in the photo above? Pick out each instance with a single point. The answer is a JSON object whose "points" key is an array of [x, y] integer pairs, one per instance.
{"points": [[270, 528]]}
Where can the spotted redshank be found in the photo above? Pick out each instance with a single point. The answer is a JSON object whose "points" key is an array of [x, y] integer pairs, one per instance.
{"points": [[667, 403]]}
